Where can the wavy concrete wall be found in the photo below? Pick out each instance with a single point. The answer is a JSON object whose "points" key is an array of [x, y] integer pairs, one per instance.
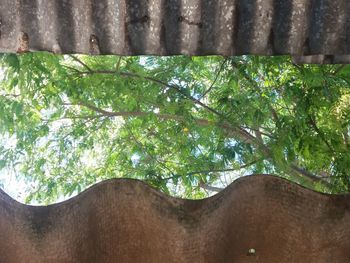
{"points": [[166, 27], [256, 219]]}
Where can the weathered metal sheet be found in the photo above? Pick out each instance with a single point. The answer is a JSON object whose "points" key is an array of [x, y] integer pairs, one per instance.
{"points": [[168, 27], [256, 219]]}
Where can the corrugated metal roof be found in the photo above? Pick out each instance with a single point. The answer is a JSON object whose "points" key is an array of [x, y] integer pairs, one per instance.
{"points": [[256, 219], [168, 27]]}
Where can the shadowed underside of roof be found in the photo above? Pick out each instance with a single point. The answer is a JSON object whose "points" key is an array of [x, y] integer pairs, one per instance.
{"points": [[256, 219], [312, 31]]}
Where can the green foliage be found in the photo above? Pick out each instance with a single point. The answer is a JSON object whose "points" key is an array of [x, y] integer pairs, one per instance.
{"points": [[178, 123]]}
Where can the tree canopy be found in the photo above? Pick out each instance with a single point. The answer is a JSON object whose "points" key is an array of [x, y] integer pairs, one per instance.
{"points": [[179, 123]]}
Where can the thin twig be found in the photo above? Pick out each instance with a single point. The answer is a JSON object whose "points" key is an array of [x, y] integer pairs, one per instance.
{"points": [[216, 78], [150, 154], [10, 95], [82, 63], [300, 68], [320, 133], [72, 68], [338, 69], [81, 117], [170, 86], [118, 63], [225, 170]]}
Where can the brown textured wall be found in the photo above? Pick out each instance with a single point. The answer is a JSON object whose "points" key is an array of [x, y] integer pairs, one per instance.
{"points": [[193, 27], [126, 221]]}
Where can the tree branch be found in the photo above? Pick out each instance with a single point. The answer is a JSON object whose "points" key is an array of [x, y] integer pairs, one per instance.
{"points": [[225, 170], [300, 68], [174, 87], [319, 132], [242, 133], [81, 63], [259, 131], [10, 95], [346, 138], [118, 64], [274, 113], [203, 122], [236, 132], [233, 131], [73, 68], [338, 69], [307, 174], [154, 80], [210, 188]]}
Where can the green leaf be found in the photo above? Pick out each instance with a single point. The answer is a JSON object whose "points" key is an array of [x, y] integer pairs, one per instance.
{"points": [[12, 61]]}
